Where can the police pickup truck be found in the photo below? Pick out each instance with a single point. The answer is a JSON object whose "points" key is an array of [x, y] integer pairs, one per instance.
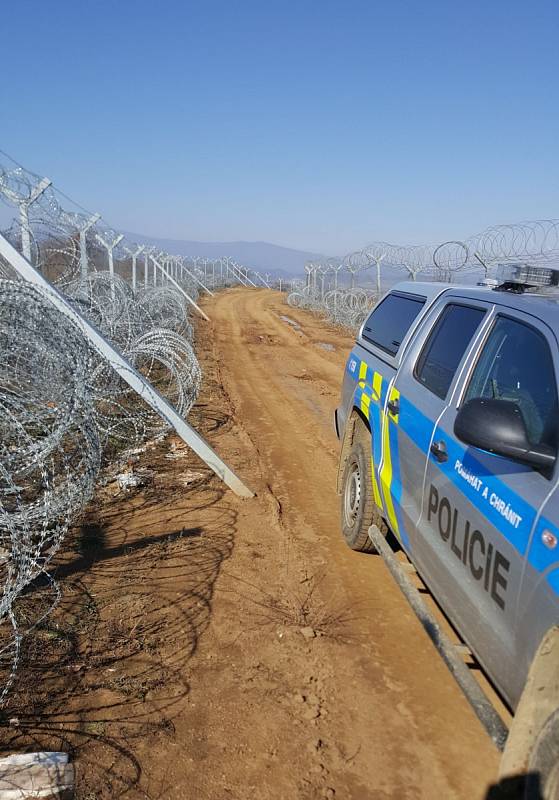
{"points": [[449, 426]]}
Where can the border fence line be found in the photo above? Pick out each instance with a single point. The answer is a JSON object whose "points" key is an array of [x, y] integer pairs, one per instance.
{"points": [[96, 358], [338, 289]]}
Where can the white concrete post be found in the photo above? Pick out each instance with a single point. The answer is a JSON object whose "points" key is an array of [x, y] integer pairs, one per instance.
{"points": [[24, 216], [83, 244], [110, 248], [195, 278], [181, 290], [378, 263], [126, 371], [146, 269], [135, 253], [242, 276]]}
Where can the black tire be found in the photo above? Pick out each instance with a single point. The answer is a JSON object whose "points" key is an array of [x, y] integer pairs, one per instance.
{"points": [[358, 509], [542, 781]]}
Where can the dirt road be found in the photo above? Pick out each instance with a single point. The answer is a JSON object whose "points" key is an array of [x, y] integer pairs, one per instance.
{"points": [[392, 723], [213, 648]]}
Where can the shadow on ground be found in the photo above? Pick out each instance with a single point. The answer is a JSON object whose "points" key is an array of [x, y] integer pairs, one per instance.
{"points": [[106, 674]]}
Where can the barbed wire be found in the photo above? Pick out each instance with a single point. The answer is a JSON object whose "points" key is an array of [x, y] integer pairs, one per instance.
{"points": [[475, 257], [64, 412], [50, 451]]}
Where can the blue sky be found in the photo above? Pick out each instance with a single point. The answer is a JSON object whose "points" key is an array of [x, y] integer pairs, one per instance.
{"points": [[317, 125]]}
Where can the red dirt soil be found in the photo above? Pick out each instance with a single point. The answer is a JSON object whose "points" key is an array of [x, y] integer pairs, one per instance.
{"points": [[214, 648]]}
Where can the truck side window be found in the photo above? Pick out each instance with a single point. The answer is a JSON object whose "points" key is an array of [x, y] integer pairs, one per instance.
{"points": [[516, 364], [445, 347], [391, 319]]}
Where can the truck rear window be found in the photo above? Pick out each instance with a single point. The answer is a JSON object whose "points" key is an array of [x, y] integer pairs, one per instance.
{"points": [[389, 322], [445, 347]]}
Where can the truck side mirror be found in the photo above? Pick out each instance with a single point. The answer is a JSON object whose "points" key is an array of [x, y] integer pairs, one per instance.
{"points": [[498, 426]]}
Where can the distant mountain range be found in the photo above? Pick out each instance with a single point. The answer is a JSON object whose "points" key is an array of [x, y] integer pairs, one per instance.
{"points": [[262, 256]]}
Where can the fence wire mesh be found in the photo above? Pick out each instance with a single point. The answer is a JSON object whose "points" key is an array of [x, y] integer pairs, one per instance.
{"points": [[64, 411], [344, 290]]}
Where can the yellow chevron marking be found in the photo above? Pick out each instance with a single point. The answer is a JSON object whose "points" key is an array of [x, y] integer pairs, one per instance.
{"points": [[365, 403], [386, 472], [377, 386]]}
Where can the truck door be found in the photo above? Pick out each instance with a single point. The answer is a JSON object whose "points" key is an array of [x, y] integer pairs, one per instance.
{"points": [[415, 401], [384, 333], [478, 508]]}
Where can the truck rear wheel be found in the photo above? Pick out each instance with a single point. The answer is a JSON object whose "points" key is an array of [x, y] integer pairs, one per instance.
{"points": [[531, 754], [358, 509], [542, 780]]}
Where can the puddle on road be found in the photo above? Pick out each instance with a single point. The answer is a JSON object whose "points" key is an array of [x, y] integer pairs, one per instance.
{"points": [[325, 346], [290, 322]]}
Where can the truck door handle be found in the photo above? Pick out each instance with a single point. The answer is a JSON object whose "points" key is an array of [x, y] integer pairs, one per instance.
{"points": [[394, 407], [439, 451]]}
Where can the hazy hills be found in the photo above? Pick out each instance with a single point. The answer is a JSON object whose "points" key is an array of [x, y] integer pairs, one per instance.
{"points": [[262, 256]]}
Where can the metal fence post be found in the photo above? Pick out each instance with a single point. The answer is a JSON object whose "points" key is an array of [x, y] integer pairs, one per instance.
{"points": [[23, 207], [126, 371], [135, 254], [83, 244], [110, 246], [186, 296]]}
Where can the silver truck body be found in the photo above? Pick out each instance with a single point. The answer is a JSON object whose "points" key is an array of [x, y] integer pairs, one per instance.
{"points": [[481, 529]]}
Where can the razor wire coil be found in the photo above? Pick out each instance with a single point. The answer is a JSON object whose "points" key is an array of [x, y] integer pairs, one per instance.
{"points": [[64, 412]]}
